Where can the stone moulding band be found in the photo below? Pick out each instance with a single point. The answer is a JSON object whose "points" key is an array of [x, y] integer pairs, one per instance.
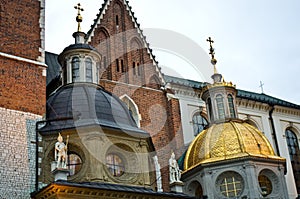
{"points": [[23, 59]]}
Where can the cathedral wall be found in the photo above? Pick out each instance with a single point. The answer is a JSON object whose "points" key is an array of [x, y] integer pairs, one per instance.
{"points": [[23, 86], [21, 28], [17, 153]]}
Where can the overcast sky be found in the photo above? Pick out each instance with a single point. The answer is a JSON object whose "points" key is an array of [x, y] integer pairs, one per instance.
{"points": [[255, 40]]}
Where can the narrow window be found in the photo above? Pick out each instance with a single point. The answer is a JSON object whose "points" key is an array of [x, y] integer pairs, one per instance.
{"points": [[209, 105], [75, 69], [133, 68], [122, 66], [139, 69], [220, 107], [89, 70], [231, 106], [117, 20], [117, 63]]}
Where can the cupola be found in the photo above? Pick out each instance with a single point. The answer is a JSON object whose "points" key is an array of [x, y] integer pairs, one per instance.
{"points": [[79, 61], [220, 95]]}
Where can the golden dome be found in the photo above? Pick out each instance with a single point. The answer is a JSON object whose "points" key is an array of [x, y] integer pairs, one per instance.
{"points": [[225, 141]]}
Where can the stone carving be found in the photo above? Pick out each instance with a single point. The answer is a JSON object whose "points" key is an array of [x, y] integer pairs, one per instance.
{"points": [[158, 174], [175, 172], [61, 152]]}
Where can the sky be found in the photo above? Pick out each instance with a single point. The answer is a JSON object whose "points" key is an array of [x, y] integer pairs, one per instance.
{"points": [[255, 40]]}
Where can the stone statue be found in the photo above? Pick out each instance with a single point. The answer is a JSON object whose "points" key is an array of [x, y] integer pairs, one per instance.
{"points": [[158, 174], [61, 152], [175, 172]]}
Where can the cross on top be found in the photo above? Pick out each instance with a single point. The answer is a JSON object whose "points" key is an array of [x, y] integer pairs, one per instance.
{"points": [[212, 51], [79, 17], [262, 86]]}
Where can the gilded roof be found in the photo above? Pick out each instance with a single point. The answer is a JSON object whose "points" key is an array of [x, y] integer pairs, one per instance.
{"points": [[225, 141]]}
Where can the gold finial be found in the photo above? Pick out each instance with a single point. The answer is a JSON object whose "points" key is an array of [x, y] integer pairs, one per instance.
{"points": [[79, 17]]}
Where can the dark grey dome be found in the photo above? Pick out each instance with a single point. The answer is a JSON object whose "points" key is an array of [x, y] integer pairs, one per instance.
{"points": [[79, 46], [83, 104]]}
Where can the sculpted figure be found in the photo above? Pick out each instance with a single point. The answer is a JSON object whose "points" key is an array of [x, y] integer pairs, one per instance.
{"points": [[175, 172], [61, 152]]}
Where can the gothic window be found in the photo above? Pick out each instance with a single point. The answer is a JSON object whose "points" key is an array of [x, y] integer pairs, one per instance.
{"points": [[115, 164], [117, 20], [294, 152], [74, 163], [230, 184], [89, 70], [139, 69], [133, 109], [75, 69], [122, 66], [199, 123], [220, 107], [265, 185], [231, 106]]}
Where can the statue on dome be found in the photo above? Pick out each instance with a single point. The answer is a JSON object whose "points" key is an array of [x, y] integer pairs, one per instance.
{"points": [[175, 172], [61, 152]]}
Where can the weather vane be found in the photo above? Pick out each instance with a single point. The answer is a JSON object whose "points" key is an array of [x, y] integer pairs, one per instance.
{"points": [[79, 17], [212, 51]]}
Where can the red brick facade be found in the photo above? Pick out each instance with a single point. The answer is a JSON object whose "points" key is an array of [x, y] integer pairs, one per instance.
{"points": [[126, 60], [22, 84], [20, 28]]}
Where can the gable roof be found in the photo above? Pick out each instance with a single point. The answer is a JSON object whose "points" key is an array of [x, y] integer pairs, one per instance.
{"points": [[259, 97], [100, 16]]}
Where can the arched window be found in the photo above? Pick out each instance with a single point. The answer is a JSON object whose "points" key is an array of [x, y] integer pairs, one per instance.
{"points": [[230, 184], [231, 106], [220, 107], [89, 70], [199, 123], [75, 69], [294, 152], [133, 109], [210, 112]]}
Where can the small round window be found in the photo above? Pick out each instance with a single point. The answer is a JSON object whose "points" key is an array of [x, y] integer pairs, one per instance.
{"points": [[115, 164], [74, 163], [230, 184], [265, 185]]}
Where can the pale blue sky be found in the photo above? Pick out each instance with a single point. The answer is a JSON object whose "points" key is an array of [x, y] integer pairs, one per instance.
{"points": [[255, 40]]}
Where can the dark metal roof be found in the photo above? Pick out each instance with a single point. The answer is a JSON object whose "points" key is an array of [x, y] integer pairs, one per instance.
{"points": [[184, 82], [119, 188], [53, 70], [259, 97], [79, 46], [84, 104]]}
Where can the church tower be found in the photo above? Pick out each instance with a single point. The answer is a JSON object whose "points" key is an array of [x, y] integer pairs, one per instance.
{"points": [[22, 93], [231, 159]]}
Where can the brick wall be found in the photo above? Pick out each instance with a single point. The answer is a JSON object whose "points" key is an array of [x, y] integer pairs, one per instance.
{"points": [[20, 28], [22, 86], [17, 153]]}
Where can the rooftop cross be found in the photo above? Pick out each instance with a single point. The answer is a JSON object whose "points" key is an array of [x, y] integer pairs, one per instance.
{"points": [[79, 17], [212, 51], [262, 86]]}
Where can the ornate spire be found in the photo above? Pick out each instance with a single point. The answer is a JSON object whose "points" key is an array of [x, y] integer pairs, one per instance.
{"points": [[216, 76], [79, 17]]}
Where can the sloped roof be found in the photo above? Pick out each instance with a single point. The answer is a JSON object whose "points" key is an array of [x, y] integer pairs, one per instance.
{"points": [[53, 69], [100, 15], [259, 97]]}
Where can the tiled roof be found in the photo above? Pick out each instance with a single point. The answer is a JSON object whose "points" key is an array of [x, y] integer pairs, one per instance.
{"points": [[259, 97]]}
